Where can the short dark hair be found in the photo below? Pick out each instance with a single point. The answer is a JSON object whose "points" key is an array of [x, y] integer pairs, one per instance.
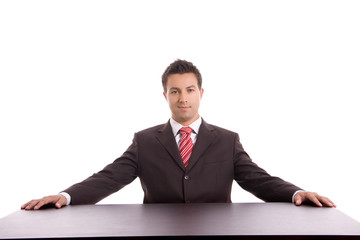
{"points": [[181, 67]]}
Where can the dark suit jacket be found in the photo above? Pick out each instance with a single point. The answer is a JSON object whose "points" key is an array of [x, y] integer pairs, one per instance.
{"points": [[217, 159]]}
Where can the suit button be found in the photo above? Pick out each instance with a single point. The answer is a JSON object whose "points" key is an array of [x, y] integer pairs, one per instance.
{"points": [[186, 177]]}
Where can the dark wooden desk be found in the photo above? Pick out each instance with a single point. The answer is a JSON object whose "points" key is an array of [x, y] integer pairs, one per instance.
{"points": [[208, 221]]}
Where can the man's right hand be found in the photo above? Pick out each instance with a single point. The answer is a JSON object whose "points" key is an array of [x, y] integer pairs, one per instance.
{"points": [[58, 200]]}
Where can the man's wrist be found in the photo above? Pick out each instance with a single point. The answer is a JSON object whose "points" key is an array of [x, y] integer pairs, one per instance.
{"points": [[293, 197], [67, 196]]}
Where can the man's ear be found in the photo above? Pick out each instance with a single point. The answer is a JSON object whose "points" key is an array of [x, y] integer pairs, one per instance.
{"points": [[164, 93], [201, 92]]}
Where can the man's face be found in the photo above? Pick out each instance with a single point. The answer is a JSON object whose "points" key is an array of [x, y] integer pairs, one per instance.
{"points": [[183, 95]]}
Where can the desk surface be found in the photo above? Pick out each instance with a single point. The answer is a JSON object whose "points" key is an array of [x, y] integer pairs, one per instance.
{"points": [[214, 219]]}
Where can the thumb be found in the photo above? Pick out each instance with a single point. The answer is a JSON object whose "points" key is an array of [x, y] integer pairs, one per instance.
{"points": [[61, 202], [58, 205], [298, 200]]}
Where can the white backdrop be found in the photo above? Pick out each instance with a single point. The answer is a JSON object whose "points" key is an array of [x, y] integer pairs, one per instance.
{"points": [[79, 78]]}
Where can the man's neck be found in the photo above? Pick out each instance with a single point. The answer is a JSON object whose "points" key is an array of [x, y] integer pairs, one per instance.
{"points": [[194, 125], [186, 123]]}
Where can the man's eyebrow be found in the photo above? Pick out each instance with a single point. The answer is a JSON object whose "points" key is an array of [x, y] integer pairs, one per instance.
{"points": [[174, 88], [192, 86]]}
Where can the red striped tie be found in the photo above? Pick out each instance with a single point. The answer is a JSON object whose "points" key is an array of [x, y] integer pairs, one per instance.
{"points": [[186, 144]]}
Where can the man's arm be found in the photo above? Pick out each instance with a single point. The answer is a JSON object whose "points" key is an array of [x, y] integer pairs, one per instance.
{"points": [[257, 181], [268, 188], [100, 185]]}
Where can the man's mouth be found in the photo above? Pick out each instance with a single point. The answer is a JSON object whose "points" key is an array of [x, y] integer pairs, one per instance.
{"points": [[183, 107]]}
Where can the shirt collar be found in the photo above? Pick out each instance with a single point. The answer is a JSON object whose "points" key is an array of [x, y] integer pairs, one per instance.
{"points": [[176, 126]]}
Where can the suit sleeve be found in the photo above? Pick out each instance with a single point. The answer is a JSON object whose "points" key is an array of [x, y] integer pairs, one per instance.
{"points": [[109, 180], [257, 181]]}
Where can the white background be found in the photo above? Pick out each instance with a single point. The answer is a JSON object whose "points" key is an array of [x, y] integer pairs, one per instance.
{"points": [[79, 78]]}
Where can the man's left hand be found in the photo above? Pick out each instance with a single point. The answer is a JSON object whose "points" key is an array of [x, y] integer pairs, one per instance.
{"points": [[313, 197]]}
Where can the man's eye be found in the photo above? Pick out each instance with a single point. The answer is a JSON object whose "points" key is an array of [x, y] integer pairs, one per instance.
{"points": [[191, 90], [173, 92]]}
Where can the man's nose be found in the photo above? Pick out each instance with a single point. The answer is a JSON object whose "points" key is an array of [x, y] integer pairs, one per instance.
{"points": [[183, 98]]}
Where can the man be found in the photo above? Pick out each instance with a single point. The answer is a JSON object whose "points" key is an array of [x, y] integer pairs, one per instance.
{"points": [[185, 160]]}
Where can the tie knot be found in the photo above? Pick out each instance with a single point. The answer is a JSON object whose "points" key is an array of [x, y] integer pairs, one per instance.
{"points": [[186, 130]]}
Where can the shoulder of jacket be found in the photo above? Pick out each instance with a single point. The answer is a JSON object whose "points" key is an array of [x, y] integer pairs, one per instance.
{"points": [[220, 129], [150, 130]]}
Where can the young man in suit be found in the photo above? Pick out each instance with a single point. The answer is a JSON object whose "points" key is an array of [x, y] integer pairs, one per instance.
{"points": [[185, 160]]}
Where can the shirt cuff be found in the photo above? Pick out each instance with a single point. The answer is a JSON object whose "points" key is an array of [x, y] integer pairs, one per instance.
{"points": [[293, 197], [68, 197]]}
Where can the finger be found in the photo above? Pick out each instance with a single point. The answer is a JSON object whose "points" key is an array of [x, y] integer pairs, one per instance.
{"points": [[41, 203], [327, 202], [30, 205], [25, 205], [37, 203], [314, 198]]}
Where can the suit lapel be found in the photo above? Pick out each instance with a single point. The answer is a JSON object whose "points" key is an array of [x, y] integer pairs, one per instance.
{"points": [[204, 139], [166, 138]]}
